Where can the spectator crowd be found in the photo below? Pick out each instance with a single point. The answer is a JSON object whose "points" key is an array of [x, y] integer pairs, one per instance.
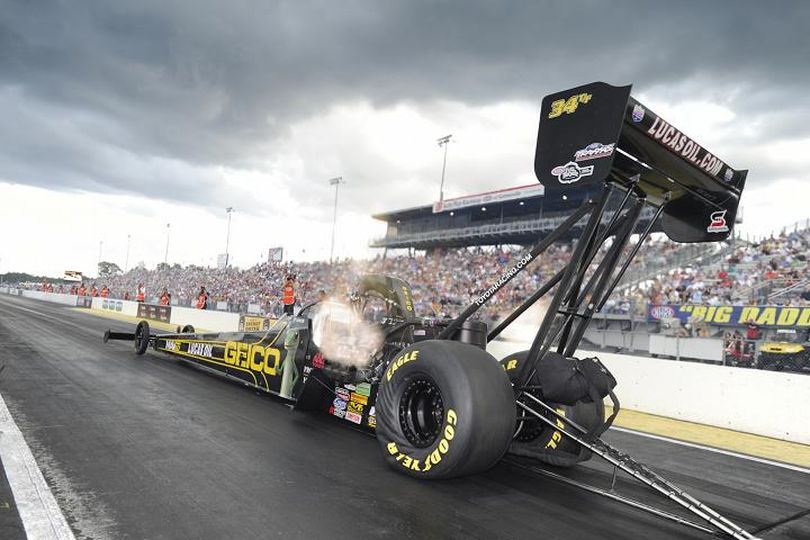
{"points": [[444, 281]]}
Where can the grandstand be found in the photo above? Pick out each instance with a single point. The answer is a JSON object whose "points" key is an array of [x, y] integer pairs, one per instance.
{"points": [[518, 215]]}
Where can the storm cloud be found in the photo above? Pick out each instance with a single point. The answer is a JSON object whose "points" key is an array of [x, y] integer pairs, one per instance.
{"points": [[157, 98]]}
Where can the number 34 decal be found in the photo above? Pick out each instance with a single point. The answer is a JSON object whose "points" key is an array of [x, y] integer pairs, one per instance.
{"points": [[569, 105]]}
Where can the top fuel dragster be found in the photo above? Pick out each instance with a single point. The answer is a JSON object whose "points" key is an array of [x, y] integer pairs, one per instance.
{"points": [[440, 405]]}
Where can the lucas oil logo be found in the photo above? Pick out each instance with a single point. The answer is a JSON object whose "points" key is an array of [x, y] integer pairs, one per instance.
{"points": [[718, 222], [571, 172]]}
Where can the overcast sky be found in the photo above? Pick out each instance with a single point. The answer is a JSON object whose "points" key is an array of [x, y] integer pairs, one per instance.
{"points": [[121, 117]]}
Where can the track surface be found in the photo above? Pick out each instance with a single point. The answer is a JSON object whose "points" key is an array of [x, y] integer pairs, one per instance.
{"points": [[145, 447]]}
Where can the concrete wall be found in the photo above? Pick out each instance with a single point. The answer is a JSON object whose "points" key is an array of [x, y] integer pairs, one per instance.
{"points": [[693, 347], [766, 403], [204, 319], [66, 299], [124, 307]]}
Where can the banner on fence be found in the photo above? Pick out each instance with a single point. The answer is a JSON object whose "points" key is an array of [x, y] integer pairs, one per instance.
{"points": [[765, 316]]}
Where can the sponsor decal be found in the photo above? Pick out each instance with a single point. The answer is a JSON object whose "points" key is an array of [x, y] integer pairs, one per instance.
{"points": [[685, 147], [254, 356], [201, 349], [354, 417], [171, 345], [112, 305], [490, 197], [571, 172], [398, 363], [359, 398], [253, 324], [318, 361], [307, 370], [438, 453], [718, 222], [504, 278], [767, 316], [364, 389], [338, 404], [568, 105], [372, 411], [343, 394], [728, 175], [350, 387], [408, 300], [338, 413], [511, 364], [594, 151], [372, 421], [638, 113], [556, 437], [356, 407], [662, 312]]}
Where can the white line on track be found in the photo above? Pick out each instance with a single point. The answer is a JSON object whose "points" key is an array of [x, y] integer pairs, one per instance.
{"points": [[37, 506], [715, 450]]}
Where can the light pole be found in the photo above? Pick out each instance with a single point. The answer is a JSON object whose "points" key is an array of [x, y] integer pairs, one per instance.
{"points": [[166, 256], [334, 182], [126, 263], [443, 141], [100, 245], [228, 211]]}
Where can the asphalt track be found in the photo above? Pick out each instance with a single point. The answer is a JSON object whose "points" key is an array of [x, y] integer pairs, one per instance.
{"points": [[146, 447]]}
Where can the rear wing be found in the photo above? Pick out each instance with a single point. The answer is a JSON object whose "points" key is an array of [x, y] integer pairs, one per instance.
{"points": [[598, 133]]}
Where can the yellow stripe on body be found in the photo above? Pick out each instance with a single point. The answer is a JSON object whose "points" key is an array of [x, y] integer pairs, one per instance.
{"points": [[214, 361]]}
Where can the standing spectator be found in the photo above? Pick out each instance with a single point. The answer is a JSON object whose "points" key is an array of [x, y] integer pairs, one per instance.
{"points": [[126, 295], [82, 290], [202, 299], [105, 292], [288, 296], [753, 332], [141, 296], [94, 291], [165, 297]]}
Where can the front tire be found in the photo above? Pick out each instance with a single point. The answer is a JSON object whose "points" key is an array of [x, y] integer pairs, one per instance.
{"points": [[444, 409], [141, 337]]}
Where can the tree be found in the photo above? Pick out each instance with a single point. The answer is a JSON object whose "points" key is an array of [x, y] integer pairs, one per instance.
{"points": [[108, 269]]}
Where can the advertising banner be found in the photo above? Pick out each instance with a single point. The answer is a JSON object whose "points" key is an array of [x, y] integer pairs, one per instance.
{"points": [[155, 313], [765, 316], [249, 323]]}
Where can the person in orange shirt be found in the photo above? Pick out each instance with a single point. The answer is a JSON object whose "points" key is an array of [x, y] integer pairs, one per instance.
{"points": [[82, 290], [105, 292], [202, 299], [165, 297], [94, 291], [288, 296], [141, 296]]}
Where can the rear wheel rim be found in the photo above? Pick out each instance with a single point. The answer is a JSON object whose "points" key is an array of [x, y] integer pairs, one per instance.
{"points": [[421, 411]]}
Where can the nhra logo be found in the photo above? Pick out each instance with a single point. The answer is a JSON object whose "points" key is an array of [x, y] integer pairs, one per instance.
{"points": [[571, 172], [718, 222], [662, 312], [594, 151]]}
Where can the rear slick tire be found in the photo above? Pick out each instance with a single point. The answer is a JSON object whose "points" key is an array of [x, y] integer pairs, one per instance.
{"points": [[444, 409]]}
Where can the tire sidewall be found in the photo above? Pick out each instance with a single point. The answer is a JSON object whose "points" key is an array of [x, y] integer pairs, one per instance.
{"points": [[462, 445]]}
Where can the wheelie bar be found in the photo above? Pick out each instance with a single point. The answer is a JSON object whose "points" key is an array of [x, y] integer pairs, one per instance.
{"points": [[118, 336], [637, 470]]}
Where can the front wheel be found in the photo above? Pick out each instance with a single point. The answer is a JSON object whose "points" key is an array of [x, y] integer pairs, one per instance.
{"points": [[141, 337], [444, 409]]}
